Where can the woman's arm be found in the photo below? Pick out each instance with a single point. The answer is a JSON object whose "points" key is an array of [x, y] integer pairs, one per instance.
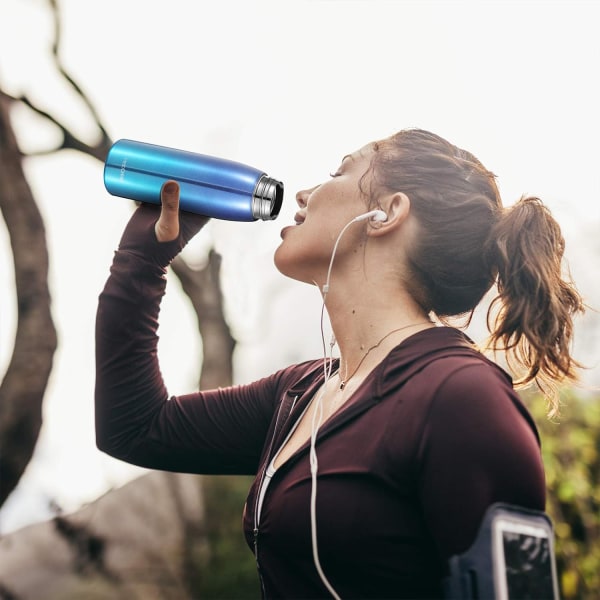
{"points": [[220, 431], [478, 447]]}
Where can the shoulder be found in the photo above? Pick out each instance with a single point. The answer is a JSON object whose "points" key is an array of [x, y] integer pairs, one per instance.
{"points": [[446, 379], [464, 382], [442, 357], [474, 407], [468, 374], [477, 392]]}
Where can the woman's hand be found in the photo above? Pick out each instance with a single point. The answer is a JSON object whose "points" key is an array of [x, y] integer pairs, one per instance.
{"points": [[171, 221], [165, 224]]}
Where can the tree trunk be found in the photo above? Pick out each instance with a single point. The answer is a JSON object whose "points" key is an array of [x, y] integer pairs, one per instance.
{"points": [[22, 389], [203, 287]]}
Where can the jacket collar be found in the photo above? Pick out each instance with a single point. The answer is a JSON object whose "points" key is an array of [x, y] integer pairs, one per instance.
{"points": [[403, 362]]}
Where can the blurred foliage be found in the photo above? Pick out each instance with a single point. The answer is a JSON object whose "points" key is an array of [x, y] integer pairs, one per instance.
{"points": [[571, 454], [230, 571]]}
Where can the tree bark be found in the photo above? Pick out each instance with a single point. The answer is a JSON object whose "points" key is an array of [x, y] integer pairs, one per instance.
{"points": [[203, 287], [22, 389]]}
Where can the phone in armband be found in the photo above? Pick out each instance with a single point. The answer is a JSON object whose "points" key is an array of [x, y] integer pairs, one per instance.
{"points": [[512, 558]]}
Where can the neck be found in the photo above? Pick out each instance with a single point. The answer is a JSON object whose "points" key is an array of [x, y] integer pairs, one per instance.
{"points": [[369, 308], [368, 325]]}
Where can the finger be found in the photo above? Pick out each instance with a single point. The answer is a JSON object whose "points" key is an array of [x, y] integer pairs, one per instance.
{"points": [[167, 226]]}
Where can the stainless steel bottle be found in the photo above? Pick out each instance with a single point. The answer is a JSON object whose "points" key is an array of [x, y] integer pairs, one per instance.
{"points": [[210, 186]]}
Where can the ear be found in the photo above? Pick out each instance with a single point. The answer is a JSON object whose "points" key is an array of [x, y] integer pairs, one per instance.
{"points": [[397, 208]]}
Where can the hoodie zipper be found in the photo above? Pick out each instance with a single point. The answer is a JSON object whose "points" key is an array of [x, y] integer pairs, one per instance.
{"points": [[259, 489]]}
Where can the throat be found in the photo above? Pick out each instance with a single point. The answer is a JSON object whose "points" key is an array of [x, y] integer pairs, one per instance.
{"points": [[350, 373]]}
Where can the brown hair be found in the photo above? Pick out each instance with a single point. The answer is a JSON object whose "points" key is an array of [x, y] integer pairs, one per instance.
{"points": [[467, 242]]}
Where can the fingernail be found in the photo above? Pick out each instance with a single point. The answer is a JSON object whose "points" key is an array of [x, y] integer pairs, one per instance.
{"points": [[170, 187]]}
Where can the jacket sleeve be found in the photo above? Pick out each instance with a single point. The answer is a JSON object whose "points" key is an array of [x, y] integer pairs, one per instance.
{"points": [[479, 446], [218, 431]]}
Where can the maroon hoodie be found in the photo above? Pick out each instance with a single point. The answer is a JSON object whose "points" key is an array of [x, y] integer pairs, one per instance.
{"points": [[431, 438]]}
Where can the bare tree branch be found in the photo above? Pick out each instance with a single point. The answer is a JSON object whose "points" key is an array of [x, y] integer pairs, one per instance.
{"points": [[105, 141], [69, 140]]}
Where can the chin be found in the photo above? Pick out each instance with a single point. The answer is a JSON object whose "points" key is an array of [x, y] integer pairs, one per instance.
{"points": [[284, 262], [288, 264]]}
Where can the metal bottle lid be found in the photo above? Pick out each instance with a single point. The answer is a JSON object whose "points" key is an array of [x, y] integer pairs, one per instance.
{"points": [[267, 198]]}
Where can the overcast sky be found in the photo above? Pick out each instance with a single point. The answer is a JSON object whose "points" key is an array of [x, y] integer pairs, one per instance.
{"points": [[288, 87]]}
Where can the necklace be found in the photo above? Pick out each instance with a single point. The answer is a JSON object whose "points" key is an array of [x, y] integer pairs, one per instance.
{"points": [[343, 382]]}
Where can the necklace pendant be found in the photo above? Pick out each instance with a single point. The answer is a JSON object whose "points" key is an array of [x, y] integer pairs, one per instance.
{"points": [[342, 385]]}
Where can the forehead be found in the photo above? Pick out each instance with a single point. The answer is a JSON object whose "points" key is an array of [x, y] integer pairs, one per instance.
{"points": [[364, 153]]}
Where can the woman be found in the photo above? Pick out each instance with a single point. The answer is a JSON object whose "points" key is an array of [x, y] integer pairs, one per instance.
{"points": [[371, 470]]}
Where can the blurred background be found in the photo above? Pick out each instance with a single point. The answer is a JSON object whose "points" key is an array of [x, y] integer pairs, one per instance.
{"points": [[288, 87]]}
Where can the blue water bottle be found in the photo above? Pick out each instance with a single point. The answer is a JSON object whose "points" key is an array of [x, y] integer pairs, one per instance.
{"points": [[211, 186]]}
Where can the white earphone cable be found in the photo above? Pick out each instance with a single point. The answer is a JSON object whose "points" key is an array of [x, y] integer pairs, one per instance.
{"points": [[317, 418], [325, 289]]}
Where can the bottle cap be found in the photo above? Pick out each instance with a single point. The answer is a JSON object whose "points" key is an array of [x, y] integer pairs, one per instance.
{"points": [[267, 198]]}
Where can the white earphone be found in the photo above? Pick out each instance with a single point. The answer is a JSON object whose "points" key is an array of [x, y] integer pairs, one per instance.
{"points": [[375, 215]]}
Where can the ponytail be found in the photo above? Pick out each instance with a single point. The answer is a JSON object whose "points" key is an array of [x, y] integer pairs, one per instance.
{"points": [[469, 241], [531, 318]]}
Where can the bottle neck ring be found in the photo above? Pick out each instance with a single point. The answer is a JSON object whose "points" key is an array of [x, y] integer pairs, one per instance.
{"points": [[267, 198]]}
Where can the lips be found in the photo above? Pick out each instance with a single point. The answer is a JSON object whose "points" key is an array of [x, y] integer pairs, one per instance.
{"points": [[284, 230], [299, 218]]}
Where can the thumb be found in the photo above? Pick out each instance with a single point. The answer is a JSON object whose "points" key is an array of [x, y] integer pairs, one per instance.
{"points": [[167, 226]]}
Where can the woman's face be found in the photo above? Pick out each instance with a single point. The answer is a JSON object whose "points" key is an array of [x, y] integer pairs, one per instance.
{"points": [[324, 210]]}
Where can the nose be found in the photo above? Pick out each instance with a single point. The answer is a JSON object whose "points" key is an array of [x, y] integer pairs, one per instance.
{"points": [[303, 195]]}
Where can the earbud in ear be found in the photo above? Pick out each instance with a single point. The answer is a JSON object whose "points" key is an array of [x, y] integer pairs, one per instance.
{"points": [[379, 216], [375, 215]]}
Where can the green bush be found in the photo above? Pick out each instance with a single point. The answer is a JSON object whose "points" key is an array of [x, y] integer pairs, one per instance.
{"points": [[230, 571], [571, 454]]}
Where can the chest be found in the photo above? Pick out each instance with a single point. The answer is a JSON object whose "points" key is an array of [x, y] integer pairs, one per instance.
{"points": [[365, 485]]}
